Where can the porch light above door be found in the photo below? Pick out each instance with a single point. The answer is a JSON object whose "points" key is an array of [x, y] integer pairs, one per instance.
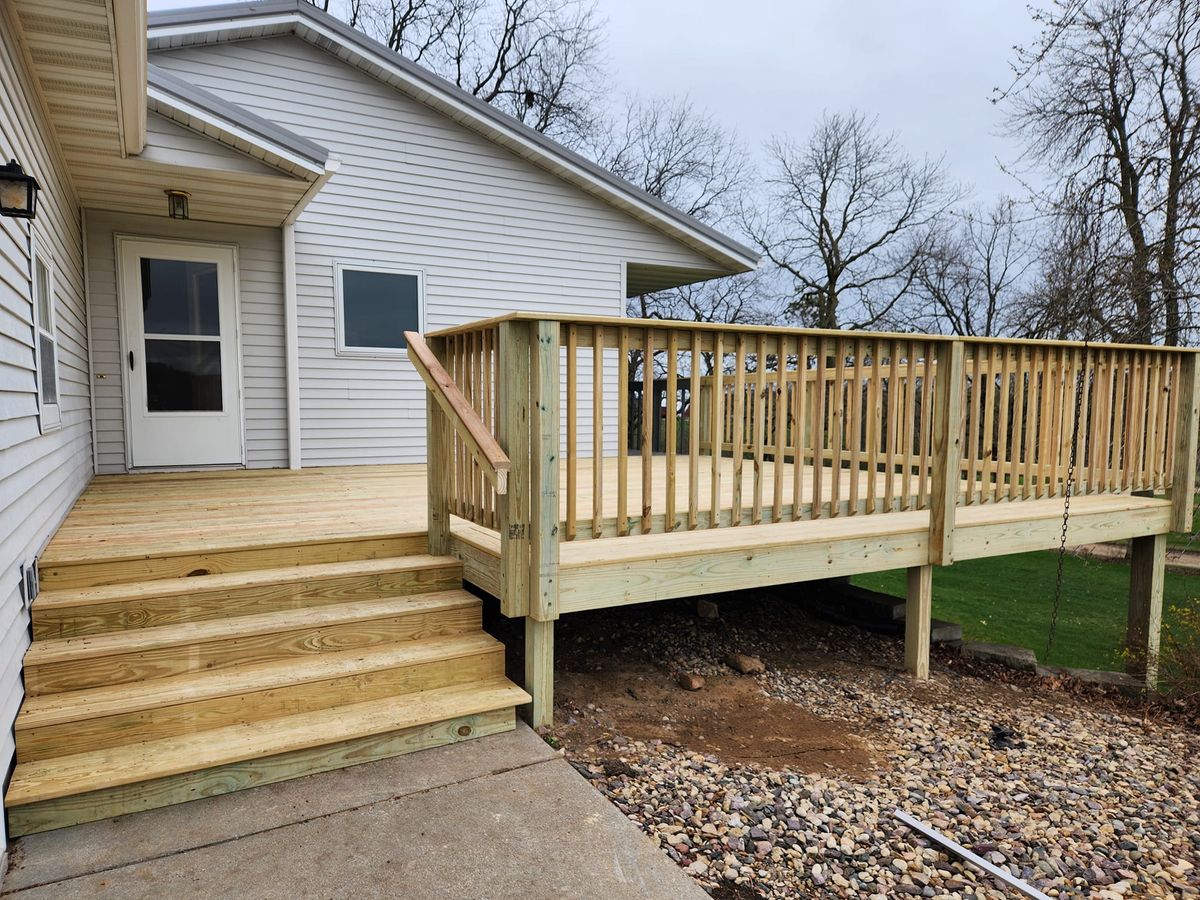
{"points": [[18, 192], [177, 203]]}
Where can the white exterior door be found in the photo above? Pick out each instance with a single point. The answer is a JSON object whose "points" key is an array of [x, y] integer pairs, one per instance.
{"points": [[179, 316]]}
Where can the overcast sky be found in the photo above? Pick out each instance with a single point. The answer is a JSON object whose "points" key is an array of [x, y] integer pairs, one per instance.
{"points": [[926, 68]]}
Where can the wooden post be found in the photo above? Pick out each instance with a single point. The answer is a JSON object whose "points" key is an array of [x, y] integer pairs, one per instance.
{"points": [[437, 464], [539, 671], [512, 431], [1147, 563], [918, 614], [1187, 419], [544, 459], [947, 451]]}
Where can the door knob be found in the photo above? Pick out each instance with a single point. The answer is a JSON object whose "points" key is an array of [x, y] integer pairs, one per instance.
{"points": [[130, 360]]}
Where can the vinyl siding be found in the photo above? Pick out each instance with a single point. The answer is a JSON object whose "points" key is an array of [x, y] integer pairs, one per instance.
{"points": [[492, 232], [41, 475], [260, 327]]}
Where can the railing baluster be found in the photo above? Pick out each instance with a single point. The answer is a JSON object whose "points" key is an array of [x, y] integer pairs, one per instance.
{"points": [[761, 421], [818, 429], [874, 423], [893, 430], [854, 409], [669, 426], [623, 382], [837, 427], [598, 431], [694, 433], [739, 426], [926, 434], [649, 414], [572, 429], [717, 422], [798, 424]]}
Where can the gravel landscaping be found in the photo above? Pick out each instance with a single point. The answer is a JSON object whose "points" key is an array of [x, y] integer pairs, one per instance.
{"points": [[783, 783]]}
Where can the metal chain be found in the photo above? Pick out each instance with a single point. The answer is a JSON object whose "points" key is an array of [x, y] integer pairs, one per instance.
{"points": [[1062, 546]]}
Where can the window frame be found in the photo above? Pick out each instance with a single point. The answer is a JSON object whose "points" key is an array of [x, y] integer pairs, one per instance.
{"points": [[339, 307], [49, 414]]}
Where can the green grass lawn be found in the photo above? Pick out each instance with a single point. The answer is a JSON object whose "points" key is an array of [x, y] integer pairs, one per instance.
{"points": [[1008, 600]]}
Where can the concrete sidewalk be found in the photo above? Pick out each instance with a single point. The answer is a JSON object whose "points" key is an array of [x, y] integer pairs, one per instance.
{"points": [[498, 817]]}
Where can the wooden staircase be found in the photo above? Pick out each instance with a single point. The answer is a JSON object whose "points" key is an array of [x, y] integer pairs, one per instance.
{"points": [[156, 680]]}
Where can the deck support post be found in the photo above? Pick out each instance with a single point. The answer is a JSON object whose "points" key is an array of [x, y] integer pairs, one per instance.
{"points": [[1147, 564], [512, 432], [1183, 474], [437, 465], [918, 614], [539, 671], [947, 451], [544, 464]]}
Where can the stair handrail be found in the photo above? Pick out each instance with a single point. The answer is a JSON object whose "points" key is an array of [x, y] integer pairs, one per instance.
{"points": [[463, 418]]}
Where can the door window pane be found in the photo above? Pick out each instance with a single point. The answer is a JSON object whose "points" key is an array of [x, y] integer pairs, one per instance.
{"points": [[183, 376], [180, 297], [378, 307]]}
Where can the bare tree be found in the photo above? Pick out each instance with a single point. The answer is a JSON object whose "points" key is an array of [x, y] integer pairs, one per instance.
{"points": [[538, 60], [1105, 101], [680, 154], [972, 272], [844, 217]]}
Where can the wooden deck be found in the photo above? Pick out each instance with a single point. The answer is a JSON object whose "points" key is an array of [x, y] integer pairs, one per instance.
{"points": [[203, 519]]}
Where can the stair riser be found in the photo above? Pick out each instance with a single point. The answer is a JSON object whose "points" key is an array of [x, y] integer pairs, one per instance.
{"points": [[113, 731], [102, 804], [161, 662], [93, 573], [171, 609]]}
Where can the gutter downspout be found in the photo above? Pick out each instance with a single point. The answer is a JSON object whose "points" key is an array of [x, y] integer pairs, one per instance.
{"points": [[291, 314]]}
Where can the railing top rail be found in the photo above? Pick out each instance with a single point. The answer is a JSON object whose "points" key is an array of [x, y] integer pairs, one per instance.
{"points": [[729, 328], [462, 416]]}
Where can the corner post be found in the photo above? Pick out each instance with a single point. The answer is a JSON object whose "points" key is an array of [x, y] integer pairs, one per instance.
{"points": [[1147, 564], [544, 464], [512, 432], [544, 521], [437, 464], [947, 451], [1187, 419], [918, 616]]}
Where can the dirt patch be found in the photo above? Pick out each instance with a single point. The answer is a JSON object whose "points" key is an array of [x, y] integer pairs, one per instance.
{"points": [[730, 718]]}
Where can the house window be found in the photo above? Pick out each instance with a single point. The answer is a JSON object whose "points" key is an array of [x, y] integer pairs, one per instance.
{"points": [[46, 353], [375, 306]]}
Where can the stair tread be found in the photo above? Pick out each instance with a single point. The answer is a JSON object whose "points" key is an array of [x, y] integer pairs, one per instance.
{"points": [[70, 597], [53, 650], [110, 700], [79, 773]]}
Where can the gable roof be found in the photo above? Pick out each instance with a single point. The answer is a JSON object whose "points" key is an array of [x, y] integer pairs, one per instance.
{"points": [[203, 111], [241, 21]]}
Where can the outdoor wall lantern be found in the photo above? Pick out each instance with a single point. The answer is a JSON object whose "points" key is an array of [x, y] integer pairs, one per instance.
{"points": [[18, 192], [177, 204]]}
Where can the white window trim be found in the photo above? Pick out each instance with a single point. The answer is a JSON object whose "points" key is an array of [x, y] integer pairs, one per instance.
{"points": [[339, 309], [49, 414]]}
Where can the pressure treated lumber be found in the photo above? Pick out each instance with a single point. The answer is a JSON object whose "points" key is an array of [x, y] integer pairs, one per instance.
{"points": [[918, 618], [465, 421], [72, 664], [114, 715], [200, 756], [539, 671], [82, 611], [1147, 566]]}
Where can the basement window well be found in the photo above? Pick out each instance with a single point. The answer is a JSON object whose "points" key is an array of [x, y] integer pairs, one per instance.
{"points": [[375, 306]]}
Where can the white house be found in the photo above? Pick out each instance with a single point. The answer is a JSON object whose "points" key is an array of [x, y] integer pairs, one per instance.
{"points": [[241, 209]]}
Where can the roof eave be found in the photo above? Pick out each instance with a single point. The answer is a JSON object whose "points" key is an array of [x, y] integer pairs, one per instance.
{"points": [[129, 24]]}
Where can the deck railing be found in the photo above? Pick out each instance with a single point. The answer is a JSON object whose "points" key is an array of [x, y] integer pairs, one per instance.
{"points": [[763, 425]]}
